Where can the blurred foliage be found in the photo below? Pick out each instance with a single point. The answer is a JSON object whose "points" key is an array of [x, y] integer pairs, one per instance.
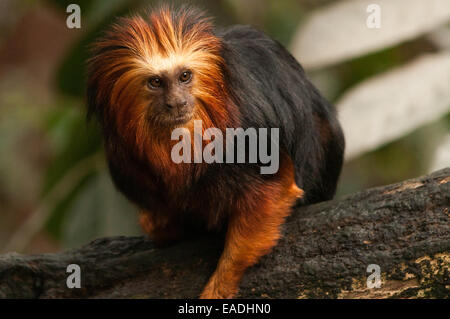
{"points": [[91, 207], [361, 68], [404, 158], [71, 75]]}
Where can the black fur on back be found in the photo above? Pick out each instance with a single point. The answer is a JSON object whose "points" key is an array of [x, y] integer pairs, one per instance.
{"points": [[272, 91]]}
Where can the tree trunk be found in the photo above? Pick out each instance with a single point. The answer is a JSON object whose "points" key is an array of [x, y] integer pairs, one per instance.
{"points": [[325, 252]]}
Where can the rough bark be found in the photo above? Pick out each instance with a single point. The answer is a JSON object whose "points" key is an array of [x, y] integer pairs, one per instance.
{"points": [[324, 253]]}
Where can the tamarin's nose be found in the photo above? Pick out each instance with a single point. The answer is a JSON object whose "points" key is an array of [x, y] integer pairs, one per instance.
{"points": [[178, 104]]}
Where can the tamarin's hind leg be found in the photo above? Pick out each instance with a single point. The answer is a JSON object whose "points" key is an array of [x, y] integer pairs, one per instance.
{"points": [[161, 229], [253, 229]]}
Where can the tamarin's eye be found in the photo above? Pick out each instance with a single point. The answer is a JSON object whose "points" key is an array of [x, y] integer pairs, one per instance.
{"points": [[185, 76], [155, 82]]}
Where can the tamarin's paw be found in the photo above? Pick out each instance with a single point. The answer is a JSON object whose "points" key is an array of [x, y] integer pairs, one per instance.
{"points": [[162, 235], [216, 295], [215, 290], [146, 223], [299, 193], [166, 237], [163, 241]]}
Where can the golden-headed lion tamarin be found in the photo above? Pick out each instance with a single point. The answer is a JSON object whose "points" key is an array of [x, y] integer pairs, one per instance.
{"points": [[152, 73]]}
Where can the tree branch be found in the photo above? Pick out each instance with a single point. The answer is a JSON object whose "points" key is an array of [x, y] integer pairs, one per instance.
{"points": [[324, 253]]}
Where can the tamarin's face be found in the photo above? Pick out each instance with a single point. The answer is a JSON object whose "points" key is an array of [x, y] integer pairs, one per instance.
{"points": [[156, 72], [170, 96]]}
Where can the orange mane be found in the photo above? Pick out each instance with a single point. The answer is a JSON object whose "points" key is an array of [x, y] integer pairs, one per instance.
{"points": [[137, 48]]}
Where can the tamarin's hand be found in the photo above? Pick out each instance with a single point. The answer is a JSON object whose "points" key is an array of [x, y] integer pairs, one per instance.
{"points": [[168, 69]]}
